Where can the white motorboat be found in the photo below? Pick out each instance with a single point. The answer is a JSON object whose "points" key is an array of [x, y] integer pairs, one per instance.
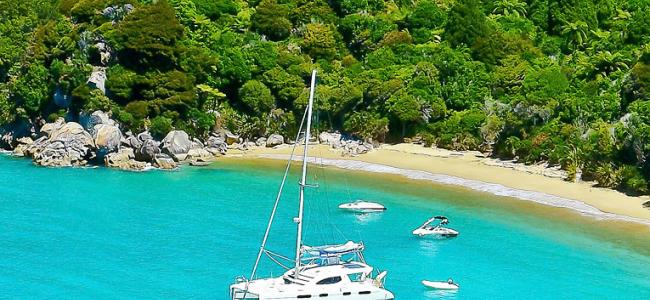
{"points": [[441, 285], [361, 206], [324, 272], [437, 230]]}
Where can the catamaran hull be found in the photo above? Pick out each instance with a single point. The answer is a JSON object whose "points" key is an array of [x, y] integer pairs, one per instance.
{"points": [[237, 294]]}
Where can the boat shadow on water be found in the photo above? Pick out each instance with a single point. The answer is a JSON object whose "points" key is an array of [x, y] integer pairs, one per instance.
{"points": [[441, 294], [366, 218]]}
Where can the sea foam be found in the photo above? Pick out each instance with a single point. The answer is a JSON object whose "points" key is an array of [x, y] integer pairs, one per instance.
{"points": [[492, 188]]}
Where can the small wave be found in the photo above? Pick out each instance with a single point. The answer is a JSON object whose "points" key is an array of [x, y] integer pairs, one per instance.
{"points": [[492, 188]]}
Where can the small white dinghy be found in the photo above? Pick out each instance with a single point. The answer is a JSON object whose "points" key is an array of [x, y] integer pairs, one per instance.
{"points": [[441, 285], [361, 206], [438, 230]]}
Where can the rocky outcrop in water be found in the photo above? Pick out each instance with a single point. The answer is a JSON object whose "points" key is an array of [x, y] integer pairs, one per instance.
{"points": [[124, 159], [165, 162], [98, 139], [64, 144]]}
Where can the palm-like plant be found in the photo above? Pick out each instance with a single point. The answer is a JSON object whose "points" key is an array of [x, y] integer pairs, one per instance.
{"points": [[606, 62], [576, 34], [510, 7]]}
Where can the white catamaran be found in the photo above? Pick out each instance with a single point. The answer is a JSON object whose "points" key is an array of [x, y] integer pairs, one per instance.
{"points": [[323, 272]]}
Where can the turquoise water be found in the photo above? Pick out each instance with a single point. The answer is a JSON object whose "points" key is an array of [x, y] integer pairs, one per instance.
{"points": [[107, 234]]}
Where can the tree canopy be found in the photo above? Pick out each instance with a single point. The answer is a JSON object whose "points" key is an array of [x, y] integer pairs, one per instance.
{"points": [[566, 82]]}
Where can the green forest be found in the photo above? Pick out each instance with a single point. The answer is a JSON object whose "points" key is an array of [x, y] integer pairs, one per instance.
{"points": [[561, 81]]}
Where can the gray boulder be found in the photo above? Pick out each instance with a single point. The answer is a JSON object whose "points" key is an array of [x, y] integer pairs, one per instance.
{"points": [[176, 144], [330, 138], [69, 145], [260, 142], [165, 162], [107, 138], [124, 160], [215, 144], [274, 140], [147, 151], [144, 136], [231, 138], [199, 154], [353, 148], [49, 128], [131, 141], [35, 147], [196, 143]]}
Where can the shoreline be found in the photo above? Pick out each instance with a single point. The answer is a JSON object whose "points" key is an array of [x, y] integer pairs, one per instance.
{"points": [[466, 169]]}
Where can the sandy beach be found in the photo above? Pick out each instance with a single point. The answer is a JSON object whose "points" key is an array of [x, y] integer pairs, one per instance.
{"points": [[471, 170]]}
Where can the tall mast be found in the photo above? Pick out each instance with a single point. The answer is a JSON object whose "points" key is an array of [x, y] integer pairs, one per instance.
{"points": [[303, 180]]}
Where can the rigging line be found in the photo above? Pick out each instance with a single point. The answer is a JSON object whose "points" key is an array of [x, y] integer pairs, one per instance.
{"points": [[275, 205], [322, 222], [327, 198], [269, 252], [347, 188], [277, 262], [328, 210]]}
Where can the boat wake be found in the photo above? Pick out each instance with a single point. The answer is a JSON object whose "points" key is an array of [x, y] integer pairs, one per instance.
{"points": [[492, 188]]}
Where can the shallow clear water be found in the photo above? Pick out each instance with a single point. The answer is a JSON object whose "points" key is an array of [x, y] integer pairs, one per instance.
{"points": [[100, 233]]}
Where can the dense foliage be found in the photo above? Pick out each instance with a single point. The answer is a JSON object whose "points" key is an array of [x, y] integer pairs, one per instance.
{"points": [[563, 81]]}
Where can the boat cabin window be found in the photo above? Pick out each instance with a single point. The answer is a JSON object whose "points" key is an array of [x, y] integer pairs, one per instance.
{"points": [[330, 280], [356, 277], [328, 261]]}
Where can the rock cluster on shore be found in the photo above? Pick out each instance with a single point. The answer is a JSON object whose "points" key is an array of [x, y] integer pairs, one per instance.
{"points": [[97, 139], [349, 147]]}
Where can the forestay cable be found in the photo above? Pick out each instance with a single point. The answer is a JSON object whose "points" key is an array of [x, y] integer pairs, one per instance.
{"points": [[275, 205]]}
